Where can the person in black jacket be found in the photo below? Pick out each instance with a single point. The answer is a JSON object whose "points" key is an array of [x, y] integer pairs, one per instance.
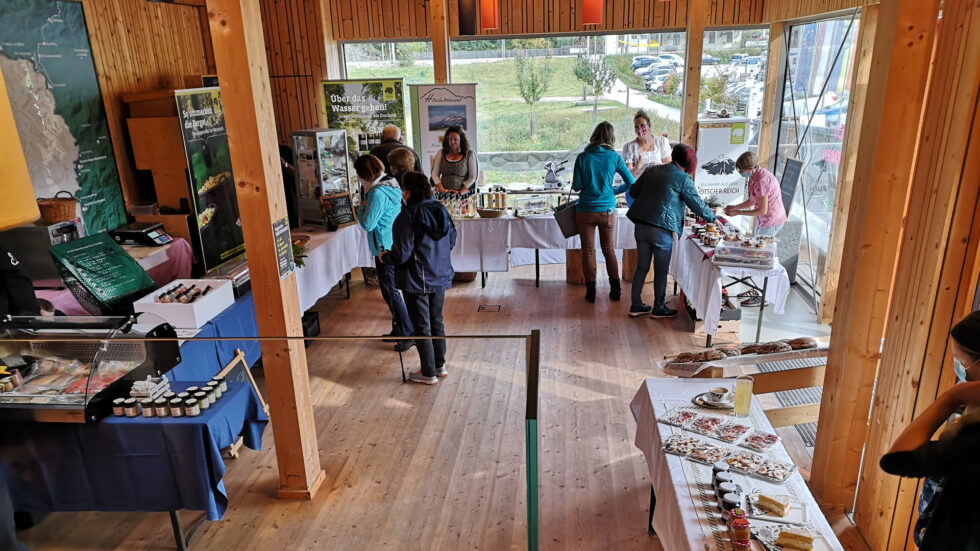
{"points": [[952, 518], [424, 235]]}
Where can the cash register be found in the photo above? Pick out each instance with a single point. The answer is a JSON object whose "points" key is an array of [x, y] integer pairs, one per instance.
{"points": [[141, 233]]}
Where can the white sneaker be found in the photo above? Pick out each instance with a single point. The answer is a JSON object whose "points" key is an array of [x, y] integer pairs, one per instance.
{"points": [[441, 371], [418, 377]]}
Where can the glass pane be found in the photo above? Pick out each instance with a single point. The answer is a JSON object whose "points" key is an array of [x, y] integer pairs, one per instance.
{"points": [[562, 115], [409, 60], [816, 93], [733, 76]]}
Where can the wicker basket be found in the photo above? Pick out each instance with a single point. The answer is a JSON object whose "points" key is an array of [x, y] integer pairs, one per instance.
{"points": [[57, 208]]}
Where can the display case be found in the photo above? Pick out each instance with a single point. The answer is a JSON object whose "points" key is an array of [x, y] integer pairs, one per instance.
{"points": [[753, 253], [70, 369], [321, 161]]}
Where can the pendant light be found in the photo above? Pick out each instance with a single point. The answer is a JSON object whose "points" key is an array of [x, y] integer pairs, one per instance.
{"points": [[489, 10], [591, 12]]}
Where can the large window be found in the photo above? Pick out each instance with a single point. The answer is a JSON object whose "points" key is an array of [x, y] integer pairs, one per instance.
{"points": [[813, 116], [409, 60], [560, 112]]}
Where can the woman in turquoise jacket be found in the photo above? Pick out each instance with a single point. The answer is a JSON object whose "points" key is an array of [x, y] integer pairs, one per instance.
{"points": [[593, 179], [377, 216]]}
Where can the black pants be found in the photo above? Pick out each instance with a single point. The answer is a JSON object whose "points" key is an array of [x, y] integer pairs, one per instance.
{"points": [[426, 314], [652, 242], [400, 321]]}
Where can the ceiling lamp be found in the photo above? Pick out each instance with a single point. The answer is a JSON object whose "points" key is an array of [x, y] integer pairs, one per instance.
{"points": [[488, 14], [591, 12]]}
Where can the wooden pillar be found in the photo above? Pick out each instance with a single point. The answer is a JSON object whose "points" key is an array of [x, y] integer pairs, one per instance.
{"points": [[772, 94], [439, 32], [903, 44], [935, 282], [697, 15], [867, 27], [239, 52]]}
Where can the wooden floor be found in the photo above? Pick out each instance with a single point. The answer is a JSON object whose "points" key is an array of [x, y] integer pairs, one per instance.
{"points": [[416, 467]]}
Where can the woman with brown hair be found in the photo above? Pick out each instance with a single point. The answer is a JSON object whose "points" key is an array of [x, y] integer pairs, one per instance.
{"points": [[593, 179], [455, 167]]}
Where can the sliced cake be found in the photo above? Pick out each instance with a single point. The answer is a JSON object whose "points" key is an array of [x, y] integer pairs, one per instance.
{"points": [[776, 504], [796, 539]]}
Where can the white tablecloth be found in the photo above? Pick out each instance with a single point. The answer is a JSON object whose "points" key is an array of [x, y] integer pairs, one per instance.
{"points": [[329, 256], [701, 281], [683, 518], [481, 244], [542, 232]]}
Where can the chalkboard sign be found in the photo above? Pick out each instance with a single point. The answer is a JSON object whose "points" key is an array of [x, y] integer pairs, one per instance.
{"points": [[284, 247], [338, 209], [237, 372], [791, 178]]}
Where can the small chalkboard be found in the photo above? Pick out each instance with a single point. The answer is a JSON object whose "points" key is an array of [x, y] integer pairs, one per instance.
{"points": [[338, 209], [789, 182], [284, 247]]}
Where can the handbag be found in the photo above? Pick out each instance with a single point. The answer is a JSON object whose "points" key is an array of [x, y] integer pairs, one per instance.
{"points": [[565, 216]]}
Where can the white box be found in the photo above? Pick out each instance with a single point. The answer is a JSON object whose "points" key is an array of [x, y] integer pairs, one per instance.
{"points": [[191, 315]]}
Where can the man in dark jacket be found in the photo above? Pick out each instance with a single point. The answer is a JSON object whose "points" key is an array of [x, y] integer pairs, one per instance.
{"points": [[424, 236], [391, 139]]}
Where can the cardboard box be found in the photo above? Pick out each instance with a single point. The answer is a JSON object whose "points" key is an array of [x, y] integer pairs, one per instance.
{"points": [[192, 315]]}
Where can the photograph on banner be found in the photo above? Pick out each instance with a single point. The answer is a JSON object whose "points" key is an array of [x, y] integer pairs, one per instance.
{"points": [[437, 107], [363, 108], [47, 69], [202, 125], [720, 142]]}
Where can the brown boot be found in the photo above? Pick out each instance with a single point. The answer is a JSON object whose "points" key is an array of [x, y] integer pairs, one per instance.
{"points": [[615, 290]]}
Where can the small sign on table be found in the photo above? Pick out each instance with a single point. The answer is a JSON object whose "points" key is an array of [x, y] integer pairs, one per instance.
{"points": [[338, 209]]}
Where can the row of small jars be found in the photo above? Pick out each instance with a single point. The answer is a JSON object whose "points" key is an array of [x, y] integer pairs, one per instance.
{"points": [[189, 403], [730, 503]]}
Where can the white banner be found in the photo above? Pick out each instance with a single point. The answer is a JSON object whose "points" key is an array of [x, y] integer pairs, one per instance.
{"points": [[436, 107], [720, 142]]}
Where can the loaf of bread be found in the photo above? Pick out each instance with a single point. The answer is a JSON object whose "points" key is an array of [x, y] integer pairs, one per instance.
{"points": [[802, 343]]}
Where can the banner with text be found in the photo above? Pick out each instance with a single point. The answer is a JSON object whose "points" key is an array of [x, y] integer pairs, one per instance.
{"points": [[720, 142], [435, 108], [362, 108], [202, 123]]}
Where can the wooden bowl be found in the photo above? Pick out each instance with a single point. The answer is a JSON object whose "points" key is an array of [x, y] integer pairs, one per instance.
{"points": [[491, 213]]}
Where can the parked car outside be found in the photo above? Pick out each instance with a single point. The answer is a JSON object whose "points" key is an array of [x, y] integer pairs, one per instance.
{"points": [[642, 61], [656, 84], [652, 67], [737, 58], [708, 59], [673, 59], [663, 71]]}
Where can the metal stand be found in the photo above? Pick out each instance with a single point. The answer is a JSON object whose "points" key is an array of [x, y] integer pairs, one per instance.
{"points": [[537, 268], [653, 505], [401, 360], [747, 281], [182, 539]]}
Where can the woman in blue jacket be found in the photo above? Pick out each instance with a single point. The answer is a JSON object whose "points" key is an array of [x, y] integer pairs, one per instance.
{"points": [[424, 235], [377, 216], [660, 195], [596, 208]]}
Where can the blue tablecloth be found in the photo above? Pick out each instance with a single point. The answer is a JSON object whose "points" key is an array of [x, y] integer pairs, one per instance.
{"points": [[201, 360], [123, 464]]}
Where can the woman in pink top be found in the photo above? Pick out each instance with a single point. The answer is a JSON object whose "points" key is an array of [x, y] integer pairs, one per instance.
{"points": [[765, 197]]}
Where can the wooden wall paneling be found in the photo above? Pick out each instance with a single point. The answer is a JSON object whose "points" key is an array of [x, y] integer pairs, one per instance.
{"points": [[243, 70], [903, 45], [772, 94], [696, 19], [849, 158], [206, 42], [330, 65], [136, 47], [931, 267]]}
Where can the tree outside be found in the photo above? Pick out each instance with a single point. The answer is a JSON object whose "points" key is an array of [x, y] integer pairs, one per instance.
{"points": [[533, 80], [597, 75]]}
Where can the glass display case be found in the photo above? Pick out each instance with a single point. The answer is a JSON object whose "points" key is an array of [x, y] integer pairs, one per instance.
{"points": [[321, 161], [70, 369]]}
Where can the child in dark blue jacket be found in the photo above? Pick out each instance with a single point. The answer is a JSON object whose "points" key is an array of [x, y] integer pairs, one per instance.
{"points": [[423, 237]]}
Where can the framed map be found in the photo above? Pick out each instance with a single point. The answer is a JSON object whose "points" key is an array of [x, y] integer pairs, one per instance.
{"points": [[46, 61]]}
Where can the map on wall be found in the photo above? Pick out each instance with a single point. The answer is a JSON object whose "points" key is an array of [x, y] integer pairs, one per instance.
{"points": [[46, 60]]}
